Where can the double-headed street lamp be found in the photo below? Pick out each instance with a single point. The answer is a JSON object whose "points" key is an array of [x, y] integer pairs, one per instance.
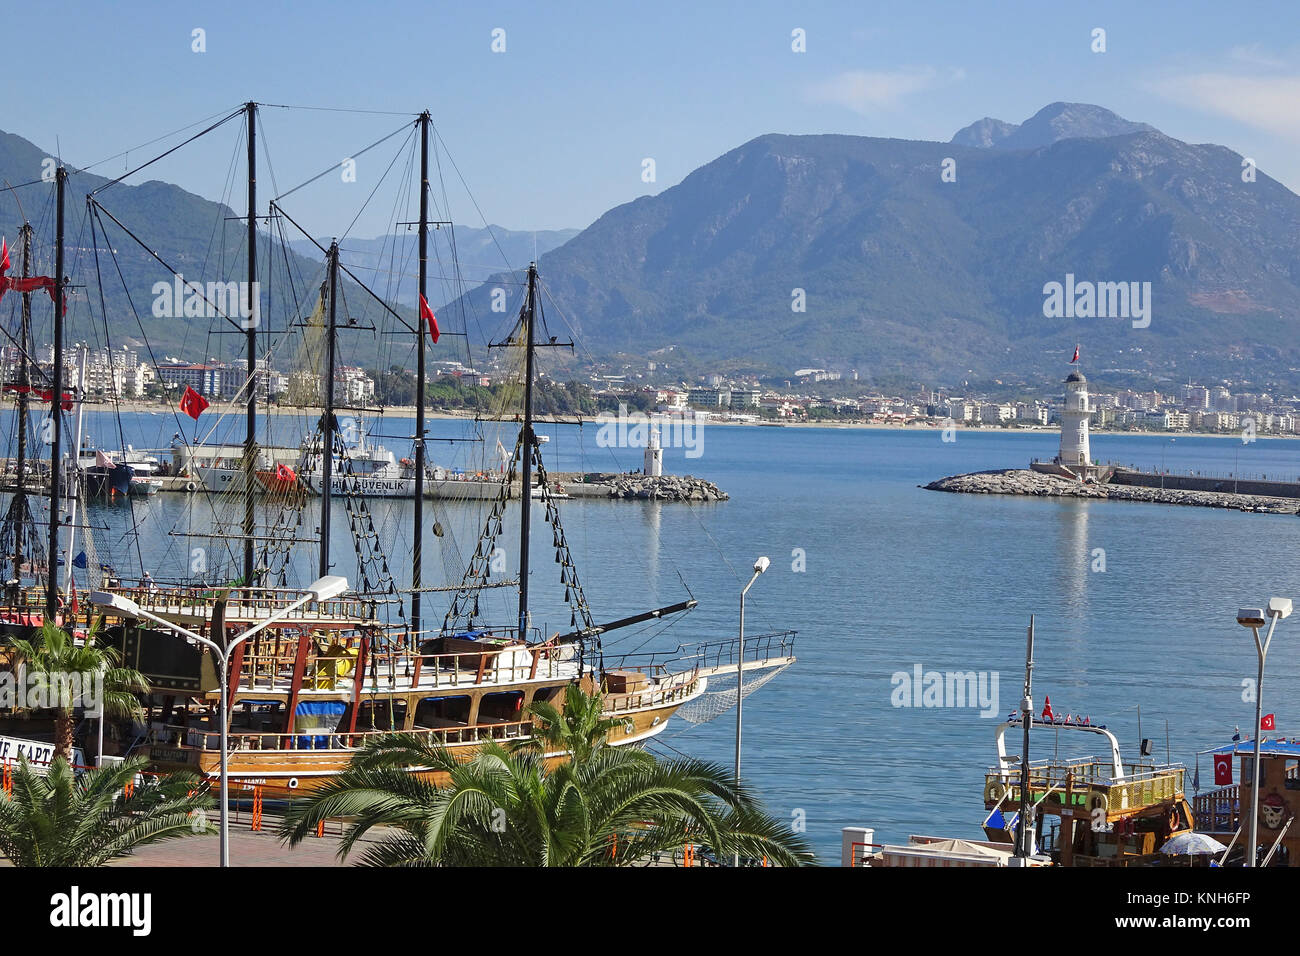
{"points": [[760, 566], [322, 589], [1253, 618]]}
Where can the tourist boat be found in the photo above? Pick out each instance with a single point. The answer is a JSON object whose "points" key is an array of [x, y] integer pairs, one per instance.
{"points": [[316, 680], [1223, 812], [1088, 810]]}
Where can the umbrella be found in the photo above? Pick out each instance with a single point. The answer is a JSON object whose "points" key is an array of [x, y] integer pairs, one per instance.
{"points": [[1192, 844]]}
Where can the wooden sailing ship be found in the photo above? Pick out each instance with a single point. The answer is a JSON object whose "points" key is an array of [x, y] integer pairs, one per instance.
{"points": [[310, 688]]}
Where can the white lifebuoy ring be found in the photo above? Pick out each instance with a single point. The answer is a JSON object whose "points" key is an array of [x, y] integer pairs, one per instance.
{"points": [[293, 783], [191, 486], [994, 792]]}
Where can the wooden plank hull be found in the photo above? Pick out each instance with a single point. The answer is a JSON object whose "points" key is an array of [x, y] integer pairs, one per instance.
{"points": [[283, 774]]}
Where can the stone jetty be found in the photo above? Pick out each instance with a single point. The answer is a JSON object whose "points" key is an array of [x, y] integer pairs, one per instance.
{"points": [[1021, 481], [649, 488]]}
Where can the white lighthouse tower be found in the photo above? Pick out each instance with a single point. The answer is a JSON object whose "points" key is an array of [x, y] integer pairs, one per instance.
{"points": [[653, 465], [1075, 453]]}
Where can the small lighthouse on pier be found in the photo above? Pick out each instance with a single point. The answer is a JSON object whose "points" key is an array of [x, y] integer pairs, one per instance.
{"points": [[1074, 423]]}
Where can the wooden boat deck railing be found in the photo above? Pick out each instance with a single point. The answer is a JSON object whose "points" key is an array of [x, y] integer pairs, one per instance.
{"points": [[248, 606], [206, 739], [672, 687], [1087, 779], [1219, 810], [272, 670]]}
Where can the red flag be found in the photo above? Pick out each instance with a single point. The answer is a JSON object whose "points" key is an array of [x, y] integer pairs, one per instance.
{"points": [[4, 255], [72, 585], [426, 313], [1222, 770], [1267, 722], [1047, 708], [192, 403], [285, 473], [1076, 355]]}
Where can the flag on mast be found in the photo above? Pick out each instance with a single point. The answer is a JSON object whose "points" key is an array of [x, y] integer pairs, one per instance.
{"points": [[192, 403], [1076, 355], [426, 313], [4, 255]]}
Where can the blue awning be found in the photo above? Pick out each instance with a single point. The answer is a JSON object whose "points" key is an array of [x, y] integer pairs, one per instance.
{"points": [[1281, 747]]}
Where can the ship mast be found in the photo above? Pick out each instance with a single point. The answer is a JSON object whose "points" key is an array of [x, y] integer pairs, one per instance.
{"points": [[417, 544], [327, 420], [1025, 833], [19, 510], [56, 407], [528, 441], [252, 306]]}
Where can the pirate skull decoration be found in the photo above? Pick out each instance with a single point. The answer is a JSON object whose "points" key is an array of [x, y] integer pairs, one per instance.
{"points": [[1272, 811]]}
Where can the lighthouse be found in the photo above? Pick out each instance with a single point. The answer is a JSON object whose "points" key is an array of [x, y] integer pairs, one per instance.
{"points": [[653, 465], [1075, 453]]}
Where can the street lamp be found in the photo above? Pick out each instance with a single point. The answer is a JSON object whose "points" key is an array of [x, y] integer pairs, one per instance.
{"points": [[321, 589], [1253, 618], [760, 566]]}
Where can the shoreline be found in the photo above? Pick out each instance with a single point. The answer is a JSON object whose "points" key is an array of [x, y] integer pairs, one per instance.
{"points": [[229, 408]]}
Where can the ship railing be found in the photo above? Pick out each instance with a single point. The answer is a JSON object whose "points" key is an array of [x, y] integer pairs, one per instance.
{"points": [[710, 655], [1145, 786], [675, 687], [1090, 769], [245, 604], [312, 739], [514, 664], [1219, 810]]}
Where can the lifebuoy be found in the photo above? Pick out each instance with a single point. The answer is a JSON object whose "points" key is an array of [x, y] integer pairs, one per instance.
{"points": [[191, 486], [1098, 801], [994, 792]]}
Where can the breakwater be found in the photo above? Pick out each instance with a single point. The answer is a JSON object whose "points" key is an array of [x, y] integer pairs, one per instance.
{"points": [[1022, 481], [641, 487]]}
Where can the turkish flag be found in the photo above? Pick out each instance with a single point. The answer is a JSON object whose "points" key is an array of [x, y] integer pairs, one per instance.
{"points": [[1047, 708], [285, 473], [426, 313], [1222, 770], [1076, 355], [1267, 722], [192, 403]]}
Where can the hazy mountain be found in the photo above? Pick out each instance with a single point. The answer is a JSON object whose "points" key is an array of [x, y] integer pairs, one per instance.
{"points": [[903, 272], [480, 252]]}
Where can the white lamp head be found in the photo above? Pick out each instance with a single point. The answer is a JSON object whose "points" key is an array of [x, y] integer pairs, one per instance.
{"points": [[332, 585], [761, 565], [116, 602], [1279, 607], [1251, 617]]}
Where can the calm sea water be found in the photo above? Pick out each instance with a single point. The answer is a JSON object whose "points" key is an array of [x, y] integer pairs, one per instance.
{"points": [[894, 576]]}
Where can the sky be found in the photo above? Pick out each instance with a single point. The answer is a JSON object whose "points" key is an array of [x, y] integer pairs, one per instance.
{"points": [[555, 129]]}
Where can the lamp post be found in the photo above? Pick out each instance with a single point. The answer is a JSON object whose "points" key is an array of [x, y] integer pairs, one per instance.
{"points": [[760, 566], [1254, 618], [320, 590]]}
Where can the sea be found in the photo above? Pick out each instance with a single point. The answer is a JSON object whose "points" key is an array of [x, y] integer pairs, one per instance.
{"points": [[1134, 604]]}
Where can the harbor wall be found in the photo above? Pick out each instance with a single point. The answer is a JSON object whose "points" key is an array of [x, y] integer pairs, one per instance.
{"points": [[1220, 484]]}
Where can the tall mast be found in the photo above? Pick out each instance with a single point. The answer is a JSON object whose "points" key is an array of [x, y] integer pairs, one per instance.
{"points": [[417, 545], [74, 473], [1025, 833], [56, 407], [527, 440], [327, 420], [251, 309], [24, 385]]}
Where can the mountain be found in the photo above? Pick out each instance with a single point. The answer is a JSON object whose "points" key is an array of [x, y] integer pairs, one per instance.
{"points": [[1049, 125], [481, 253], [201, 239], [904, 273]]}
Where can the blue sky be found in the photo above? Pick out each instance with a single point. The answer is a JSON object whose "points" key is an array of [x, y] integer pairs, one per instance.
{"points": [[553, 132]]}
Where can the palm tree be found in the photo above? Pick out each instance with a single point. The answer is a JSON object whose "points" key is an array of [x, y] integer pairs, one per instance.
{"points": [[579, 729], [58, 819], [606, 806], [63, 675]]}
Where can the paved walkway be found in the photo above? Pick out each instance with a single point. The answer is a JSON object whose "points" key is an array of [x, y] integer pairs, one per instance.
{"points": [[246, 849]]}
